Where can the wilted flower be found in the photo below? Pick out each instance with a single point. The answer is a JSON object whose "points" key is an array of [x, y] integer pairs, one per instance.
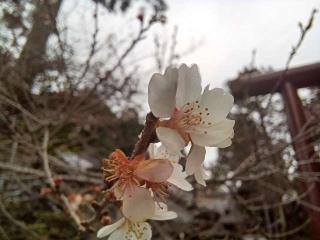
{"points": [[187, 115], [125, 229]]}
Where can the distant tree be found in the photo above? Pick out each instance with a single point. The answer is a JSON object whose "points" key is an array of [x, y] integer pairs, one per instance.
{"points": [[55, 115]]}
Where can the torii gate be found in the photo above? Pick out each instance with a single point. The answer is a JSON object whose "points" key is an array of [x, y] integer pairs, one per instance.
{"points": [[287, 83]]}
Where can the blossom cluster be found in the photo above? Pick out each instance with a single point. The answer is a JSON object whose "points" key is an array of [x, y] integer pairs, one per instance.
{"points": [[187, 118]]}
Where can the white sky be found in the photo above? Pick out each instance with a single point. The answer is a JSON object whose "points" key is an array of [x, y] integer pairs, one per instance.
{"points": [[229, 31], [232, 28]]}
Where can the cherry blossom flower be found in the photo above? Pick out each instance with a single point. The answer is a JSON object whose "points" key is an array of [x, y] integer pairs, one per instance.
{"points": [[139, 182], [178, 177], [125, 229], [186, 114]]}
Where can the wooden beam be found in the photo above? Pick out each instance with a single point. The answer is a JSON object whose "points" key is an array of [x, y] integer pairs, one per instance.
{"points": [[261, 84]]}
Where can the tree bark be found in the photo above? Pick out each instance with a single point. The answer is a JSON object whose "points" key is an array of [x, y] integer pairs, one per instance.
{"points": [[33, 55]]}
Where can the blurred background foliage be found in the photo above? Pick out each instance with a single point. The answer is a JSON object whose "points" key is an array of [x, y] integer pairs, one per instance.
{"points": [[71, 113]]}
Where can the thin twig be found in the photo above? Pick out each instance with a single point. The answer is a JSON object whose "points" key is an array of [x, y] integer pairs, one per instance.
{"points": [[93, 44], [21, 109], [41, 174], [294, 50], [47, 170], [46, 159], [16, 222], [4, 234]]}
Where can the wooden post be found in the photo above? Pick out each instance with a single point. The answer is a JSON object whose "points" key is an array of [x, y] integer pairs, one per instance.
{"points": [[304, 151], [306, 76]]}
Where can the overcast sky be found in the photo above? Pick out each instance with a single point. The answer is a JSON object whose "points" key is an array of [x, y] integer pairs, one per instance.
{"points": [[228, 31], [232, 28]]}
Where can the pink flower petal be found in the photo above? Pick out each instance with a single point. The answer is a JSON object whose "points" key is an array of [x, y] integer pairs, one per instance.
{"points": [[138, 204], [154, 170]]}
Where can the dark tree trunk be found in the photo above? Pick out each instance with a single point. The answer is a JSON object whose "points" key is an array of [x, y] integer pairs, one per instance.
{"points": [[33, 56]]}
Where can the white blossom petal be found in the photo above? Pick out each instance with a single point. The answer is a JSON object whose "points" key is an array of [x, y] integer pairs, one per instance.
{"points": [[213, 135], [154, 170], [162, 213], [200, 176], [138, 204], [178, 178], [218, 102], [162, 92], [131, 231], [160, 152], [152, 151], [107, 230], [205, 91], [195, 158], [144, 230], [189, 85], [225, 143], [171, 139], [123, 234], [118, 193]]}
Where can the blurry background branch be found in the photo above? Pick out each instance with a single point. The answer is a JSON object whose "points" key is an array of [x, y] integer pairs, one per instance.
{"points": [[56, 121], [66, 103]]}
